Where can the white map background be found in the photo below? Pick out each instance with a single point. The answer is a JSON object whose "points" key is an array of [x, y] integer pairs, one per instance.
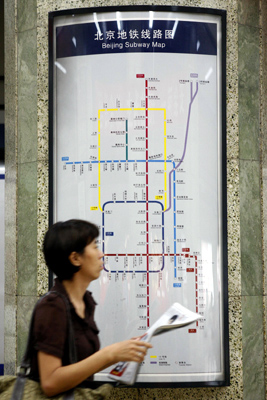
{"points": [[116, 174]]}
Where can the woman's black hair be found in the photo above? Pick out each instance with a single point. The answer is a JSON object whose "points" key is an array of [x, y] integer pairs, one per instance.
{"points": [[61, 240]]}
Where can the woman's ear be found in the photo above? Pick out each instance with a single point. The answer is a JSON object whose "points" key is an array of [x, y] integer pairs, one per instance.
{"points": [[74, 258]]}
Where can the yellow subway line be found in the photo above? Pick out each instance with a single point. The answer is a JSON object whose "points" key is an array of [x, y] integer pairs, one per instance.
{"points": [[165, 147], [158, 109], [99, 165], [99, 196]]}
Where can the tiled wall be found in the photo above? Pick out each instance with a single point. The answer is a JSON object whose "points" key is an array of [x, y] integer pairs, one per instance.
{"points": [[27, 183]]}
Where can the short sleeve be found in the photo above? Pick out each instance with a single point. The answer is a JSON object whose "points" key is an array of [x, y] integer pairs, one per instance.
{"points": [[50, 325]]}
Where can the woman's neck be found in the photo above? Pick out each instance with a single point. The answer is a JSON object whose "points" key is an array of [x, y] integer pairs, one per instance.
{"points": [[75, 287], [76, 294]]}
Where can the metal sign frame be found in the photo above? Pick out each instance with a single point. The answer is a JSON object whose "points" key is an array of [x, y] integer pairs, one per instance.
{"points": [[161, 157]]}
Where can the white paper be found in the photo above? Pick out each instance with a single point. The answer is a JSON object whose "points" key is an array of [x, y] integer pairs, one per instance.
{"points": [[175, 317]]}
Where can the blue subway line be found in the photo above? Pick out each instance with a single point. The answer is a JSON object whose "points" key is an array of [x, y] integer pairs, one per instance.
{"points": [[115, 161], [103, 235], [132, 201]]}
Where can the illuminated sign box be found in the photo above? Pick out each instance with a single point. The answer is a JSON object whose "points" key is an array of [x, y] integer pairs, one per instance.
{"points": [[138, 146]]}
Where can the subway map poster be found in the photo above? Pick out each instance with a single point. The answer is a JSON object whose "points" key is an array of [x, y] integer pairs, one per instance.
{"points": [[137, 126]]}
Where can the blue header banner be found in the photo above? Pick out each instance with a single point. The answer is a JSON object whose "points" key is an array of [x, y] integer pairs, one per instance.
{"points": [[109, 37]]}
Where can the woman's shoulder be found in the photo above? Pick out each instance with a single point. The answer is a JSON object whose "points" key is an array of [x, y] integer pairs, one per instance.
{"points": [[50, 315], [52, 297], [50, 325], [51, 305]]}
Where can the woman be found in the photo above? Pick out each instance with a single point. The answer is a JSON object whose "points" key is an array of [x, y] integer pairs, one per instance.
{"points": [[71, 252]]}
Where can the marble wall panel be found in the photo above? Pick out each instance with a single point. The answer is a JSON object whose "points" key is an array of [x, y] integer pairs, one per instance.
{"points": [[247, 41], [10, 186], [10, 333], [263, 19], [25, 305], [249, 94], [27, 229], [27, 97], [250, 228], [26, 12], [248, 12], [264, 83], [253, 347], [27, 154], [251, 198]]}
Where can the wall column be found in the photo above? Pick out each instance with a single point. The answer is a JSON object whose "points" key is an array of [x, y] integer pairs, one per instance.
{"points": [[21, 175]]}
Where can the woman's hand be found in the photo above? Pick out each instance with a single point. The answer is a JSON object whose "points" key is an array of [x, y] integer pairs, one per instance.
{"points": [[128, 350]]}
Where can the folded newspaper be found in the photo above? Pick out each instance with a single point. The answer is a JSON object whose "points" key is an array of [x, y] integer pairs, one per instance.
{"points": [[175, 317]]}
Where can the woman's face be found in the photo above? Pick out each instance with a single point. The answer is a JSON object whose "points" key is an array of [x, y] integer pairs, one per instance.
{"points": [[91, 261]]}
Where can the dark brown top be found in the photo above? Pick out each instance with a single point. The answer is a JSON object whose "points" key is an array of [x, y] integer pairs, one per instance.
{"points": [[50, 328]]}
